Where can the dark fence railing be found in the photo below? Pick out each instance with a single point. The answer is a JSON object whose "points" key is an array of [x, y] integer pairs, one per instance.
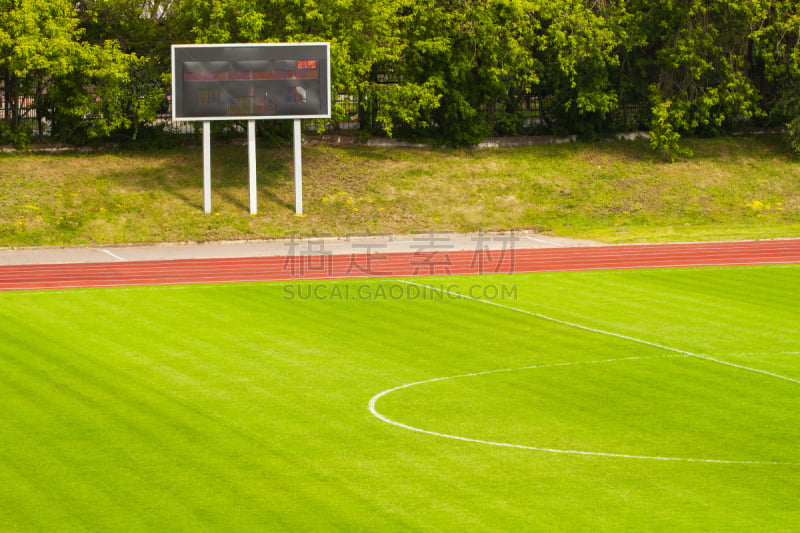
{"points": [[22, 112]]}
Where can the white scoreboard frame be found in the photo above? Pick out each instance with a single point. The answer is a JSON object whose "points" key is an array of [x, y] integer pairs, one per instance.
{"points": [[206, 120]]}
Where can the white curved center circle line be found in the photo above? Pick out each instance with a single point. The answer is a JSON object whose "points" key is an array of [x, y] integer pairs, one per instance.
{"points": [[374, 400]]}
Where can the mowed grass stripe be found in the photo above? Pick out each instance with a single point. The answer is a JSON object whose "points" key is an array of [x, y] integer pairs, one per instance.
{"points": [[144, 425], [136, 337], [97, 417], [235, 407], [66, 433]]}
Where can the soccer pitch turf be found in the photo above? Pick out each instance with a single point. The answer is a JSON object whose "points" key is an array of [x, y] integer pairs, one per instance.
{"points": [[606, 400]]}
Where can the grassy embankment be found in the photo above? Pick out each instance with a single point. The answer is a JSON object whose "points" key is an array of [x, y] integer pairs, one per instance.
{"points": [[736, 188]]}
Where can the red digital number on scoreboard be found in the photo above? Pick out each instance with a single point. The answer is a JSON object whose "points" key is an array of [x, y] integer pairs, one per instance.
{"points": [[307, 64]]}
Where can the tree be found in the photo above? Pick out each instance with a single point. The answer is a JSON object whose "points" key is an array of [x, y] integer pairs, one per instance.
{"points": [[37, 40], [777, 49], [577, 44], [456, 69], [144, 29], [450, 48], [79, 87], [696, 56]]}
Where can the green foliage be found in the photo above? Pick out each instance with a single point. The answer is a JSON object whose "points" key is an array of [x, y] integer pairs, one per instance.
{"points": [[777, 45], [576, 51], [80, 87], [793, 133], [667, 118], [88, 103], [405, 104], [146, 27], [700, 64], [455, 70], [17, 136]]}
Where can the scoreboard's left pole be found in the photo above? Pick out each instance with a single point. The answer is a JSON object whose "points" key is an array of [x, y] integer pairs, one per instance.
{"points": [[207, 166]]}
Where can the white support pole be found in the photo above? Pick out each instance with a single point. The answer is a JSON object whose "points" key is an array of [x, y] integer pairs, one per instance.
{"points": [[298, 170], [251, 162], [207, 166]]}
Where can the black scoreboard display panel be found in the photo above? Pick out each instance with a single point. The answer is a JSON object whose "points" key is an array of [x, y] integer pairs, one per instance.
{"points": [[251, 81]]}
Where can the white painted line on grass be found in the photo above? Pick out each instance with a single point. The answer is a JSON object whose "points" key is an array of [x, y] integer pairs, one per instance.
{"points": [[388, 420], [545, 317], [682, 353], [746, 354], [602, 332], [742, 367]]}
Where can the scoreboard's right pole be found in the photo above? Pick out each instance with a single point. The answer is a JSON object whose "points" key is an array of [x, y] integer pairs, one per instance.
{"points": [[207, 166]]}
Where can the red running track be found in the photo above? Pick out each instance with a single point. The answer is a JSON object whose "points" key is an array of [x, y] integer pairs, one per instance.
{"points": [[188, 271]]}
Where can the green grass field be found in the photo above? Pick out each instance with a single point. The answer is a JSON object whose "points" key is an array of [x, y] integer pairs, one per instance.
{"points": [[245, 407]]}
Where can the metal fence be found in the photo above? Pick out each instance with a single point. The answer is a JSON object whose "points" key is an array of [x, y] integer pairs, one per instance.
{"points": [[26, 107], [348, 116]]}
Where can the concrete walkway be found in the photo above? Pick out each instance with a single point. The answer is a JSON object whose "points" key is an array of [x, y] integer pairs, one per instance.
{"points": [[378, 244]]}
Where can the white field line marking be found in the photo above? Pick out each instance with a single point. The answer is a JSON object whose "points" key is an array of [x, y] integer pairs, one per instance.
{"points": [[545, 317], [684, 353], [603, 332], [745, 354], [112, 254], [742, 367], [388, 420]]}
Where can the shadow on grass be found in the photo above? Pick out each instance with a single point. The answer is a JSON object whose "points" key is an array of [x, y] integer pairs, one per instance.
{"points": [[179, 174]]}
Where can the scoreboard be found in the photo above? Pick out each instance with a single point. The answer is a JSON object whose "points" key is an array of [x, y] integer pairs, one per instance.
{"points": [[251, 81]]}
